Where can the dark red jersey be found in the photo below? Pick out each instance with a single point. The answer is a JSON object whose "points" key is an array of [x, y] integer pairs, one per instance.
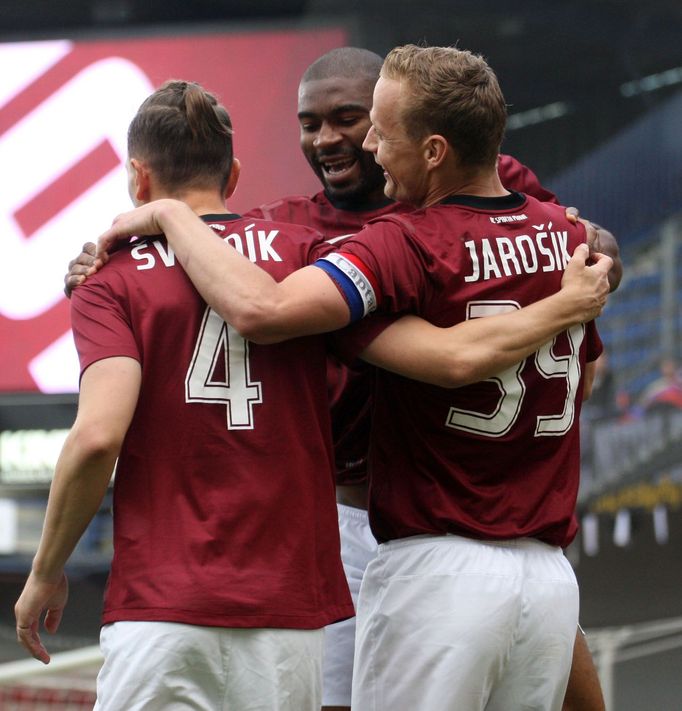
{"points": [[350, 389], [224, 505], [498, 459], [318, 212]]}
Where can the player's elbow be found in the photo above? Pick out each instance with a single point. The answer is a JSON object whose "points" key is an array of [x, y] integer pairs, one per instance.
{"points": [[265, 319], [456, 372], [460, 374], [95, 442], [259, 325]]}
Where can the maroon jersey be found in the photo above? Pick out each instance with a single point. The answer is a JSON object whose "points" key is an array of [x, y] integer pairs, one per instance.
{"points": [[331, 219], [498, 459], [224, 505]]}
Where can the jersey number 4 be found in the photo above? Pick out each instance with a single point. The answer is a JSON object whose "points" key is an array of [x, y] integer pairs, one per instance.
{"points": [[219, 372], [513, 389]]}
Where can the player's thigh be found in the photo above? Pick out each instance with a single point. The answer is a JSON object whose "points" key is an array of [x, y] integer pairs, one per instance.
{"points": [[436, 618], [358, 547]]}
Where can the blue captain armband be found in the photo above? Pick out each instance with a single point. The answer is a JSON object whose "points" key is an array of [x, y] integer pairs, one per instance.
{"points": [[352, 282]]}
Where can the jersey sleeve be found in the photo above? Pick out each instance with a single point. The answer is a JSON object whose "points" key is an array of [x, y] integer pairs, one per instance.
{"points": [[101, 327], [380, 267], [516, 176]]}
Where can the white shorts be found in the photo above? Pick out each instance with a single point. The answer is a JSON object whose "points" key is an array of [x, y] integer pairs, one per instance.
{"points": [[166, 666], [358, 547], [445, 622]]}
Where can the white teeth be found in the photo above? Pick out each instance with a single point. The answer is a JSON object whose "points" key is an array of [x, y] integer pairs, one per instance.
{"points": [[339, 167]]}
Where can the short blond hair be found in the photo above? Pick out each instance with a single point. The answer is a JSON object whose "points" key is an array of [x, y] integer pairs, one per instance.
{"points": [[453, 93]]}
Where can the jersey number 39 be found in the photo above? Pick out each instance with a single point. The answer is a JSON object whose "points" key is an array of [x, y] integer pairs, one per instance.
{"points": [[513, 389]]}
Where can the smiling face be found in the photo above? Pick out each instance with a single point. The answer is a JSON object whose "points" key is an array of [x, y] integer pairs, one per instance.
{"points": [[402, 158], [333, 115]]}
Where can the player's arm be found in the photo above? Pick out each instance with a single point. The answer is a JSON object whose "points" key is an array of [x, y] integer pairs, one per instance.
{"points": [[259, 308], [86, 263], [477, 349], [108, 396]]}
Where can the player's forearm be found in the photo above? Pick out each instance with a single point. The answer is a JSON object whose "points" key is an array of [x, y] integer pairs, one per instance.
{"points": [[78, 488], [475, 349], [498, 342]]}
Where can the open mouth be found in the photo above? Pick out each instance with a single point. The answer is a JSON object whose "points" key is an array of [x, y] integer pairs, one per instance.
{"points": [[338, 168]]}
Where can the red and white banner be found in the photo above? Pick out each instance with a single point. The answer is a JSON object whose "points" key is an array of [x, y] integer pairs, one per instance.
{"points": [[64, 112]]}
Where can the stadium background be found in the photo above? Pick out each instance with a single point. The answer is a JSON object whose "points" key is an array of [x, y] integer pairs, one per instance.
{"points": [[595, 95]]}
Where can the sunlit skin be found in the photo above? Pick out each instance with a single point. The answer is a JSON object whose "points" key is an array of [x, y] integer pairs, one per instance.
{"points": [[333, 116]]}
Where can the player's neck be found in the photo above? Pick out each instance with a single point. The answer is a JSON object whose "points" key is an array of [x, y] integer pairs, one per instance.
{"points": [[479, 183], [202, 202]]}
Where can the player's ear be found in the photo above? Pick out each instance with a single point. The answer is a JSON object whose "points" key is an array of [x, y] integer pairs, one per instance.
{"points": [[435, 150], [141, 181], [233, 179]]}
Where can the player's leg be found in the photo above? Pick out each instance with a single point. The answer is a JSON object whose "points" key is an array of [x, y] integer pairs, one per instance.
{"points": [[358, 547], [584, 690], [537, 669], [437, 617]]}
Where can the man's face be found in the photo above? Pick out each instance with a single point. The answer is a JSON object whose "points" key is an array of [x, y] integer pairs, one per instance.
{"points": [[401, 157], [333, 115]]}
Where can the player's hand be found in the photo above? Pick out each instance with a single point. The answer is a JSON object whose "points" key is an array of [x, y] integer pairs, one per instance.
{"points": [[83, 266], [140, 222], [600, 240], [38, 597], [572, 214], [587, 284]]}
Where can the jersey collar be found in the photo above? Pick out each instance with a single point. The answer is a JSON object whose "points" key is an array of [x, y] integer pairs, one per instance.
{"points": [[507, 202], [226, 217]]}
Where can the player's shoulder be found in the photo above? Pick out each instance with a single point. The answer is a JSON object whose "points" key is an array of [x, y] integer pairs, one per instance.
{"points": [[282, 208], [534, 204]]}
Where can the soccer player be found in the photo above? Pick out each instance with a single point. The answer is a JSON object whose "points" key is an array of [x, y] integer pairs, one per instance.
{"points": [[433, 171], [226, 566]]}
